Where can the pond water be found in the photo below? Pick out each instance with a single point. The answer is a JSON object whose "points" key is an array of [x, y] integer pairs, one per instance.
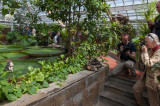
{"points": [[23, 58]]}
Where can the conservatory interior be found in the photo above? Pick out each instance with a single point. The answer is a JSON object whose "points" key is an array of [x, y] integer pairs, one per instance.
{"points": [[70, 52]]}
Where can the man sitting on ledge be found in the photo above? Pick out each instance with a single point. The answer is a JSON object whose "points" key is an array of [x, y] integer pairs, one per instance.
{"points": [[127, 54]]}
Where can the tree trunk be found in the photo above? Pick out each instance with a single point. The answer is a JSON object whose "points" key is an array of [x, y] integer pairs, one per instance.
{"points": [[69, 34], [78, 22]]}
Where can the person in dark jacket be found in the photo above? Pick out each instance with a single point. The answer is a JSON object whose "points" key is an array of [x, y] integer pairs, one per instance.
{"points": [[155, 26], [127, 54]]}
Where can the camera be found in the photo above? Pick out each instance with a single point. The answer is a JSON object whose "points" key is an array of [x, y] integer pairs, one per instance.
{"points": [[125, 49], [142, 43]]}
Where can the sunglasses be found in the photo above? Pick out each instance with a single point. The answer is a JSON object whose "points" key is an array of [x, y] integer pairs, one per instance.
{"points": [[150, 36]]}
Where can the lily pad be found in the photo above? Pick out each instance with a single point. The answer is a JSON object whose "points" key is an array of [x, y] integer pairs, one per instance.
{"points": [[43, 52], [12, 55], [8, 48], [20, 66]]}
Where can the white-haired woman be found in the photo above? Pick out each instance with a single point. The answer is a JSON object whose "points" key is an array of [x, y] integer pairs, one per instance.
{"points": [[149, 78]]}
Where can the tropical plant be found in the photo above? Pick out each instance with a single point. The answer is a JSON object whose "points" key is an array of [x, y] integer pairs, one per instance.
{"points": [[63, 10], [1, 29], [149, 14], [22, 12], [16, 38]]}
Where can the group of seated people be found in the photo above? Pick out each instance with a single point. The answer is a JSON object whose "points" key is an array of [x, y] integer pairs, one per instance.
{"points": [[150, 54]]}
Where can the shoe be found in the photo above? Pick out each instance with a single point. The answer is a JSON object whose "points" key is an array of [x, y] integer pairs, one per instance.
{"points": [[133, 75], [135, 103], [110, 74]]}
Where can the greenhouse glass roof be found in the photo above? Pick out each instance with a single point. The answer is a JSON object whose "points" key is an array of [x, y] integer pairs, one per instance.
{"points": [[132, 9]]}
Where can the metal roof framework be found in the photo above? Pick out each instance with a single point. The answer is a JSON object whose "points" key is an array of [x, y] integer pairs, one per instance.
{"points": [[133, 9], [128, 8]]}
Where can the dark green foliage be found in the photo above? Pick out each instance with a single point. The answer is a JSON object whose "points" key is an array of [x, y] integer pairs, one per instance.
{"points": [[16, 38]]}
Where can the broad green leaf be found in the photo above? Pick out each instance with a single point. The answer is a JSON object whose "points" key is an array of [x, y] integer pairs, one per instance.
{"points": [[67, 60], [23, 87], [19, 93], [11, 97], [40, 77], [62, 56], [45, 84], [5, 11], [10, 89], [5, 90], [39, 85], [4, 82], [30, 68], [32, 91]]}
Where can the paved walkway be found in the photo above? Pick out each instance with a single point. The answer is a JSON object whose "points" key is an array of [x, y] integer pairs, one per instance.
{"points": [[112, 63]]}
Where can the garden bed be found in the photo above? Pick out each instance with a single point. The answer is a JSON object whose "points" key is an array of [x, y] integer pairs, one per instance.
{"points": [[81, 88]]}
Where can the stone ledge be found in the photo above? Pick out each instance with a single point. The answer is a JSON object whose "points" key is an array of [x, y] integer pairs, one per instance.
{"points": [[74, 85]]}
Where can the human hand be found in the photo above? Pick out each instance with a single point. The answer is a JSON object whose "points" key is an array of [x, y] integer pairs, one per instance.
{"points": [[150, 22], [149, 25], [158, 87], [128, 53], [121, 48], [144, 48]]}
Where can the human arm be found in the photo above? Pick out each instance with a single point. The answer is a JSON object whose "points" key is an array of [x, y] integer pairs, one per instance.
{"points": [[156, 24], [131, 55], [151, 24], [132, 51], [118, 53], [120, 49], [147, 60]]}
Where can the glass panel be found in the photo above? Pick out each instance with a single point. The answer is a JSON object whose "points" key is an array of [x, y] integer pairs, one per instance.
{"points": [[111, 3], [119, 3], [138, 2], [132, 17], [128, 2], [122, 11]]}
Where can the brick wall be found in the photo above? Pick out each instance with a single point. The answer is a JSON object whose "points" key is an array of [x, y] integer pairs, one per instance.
{"points": [[80, 89], [84, 92]]}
